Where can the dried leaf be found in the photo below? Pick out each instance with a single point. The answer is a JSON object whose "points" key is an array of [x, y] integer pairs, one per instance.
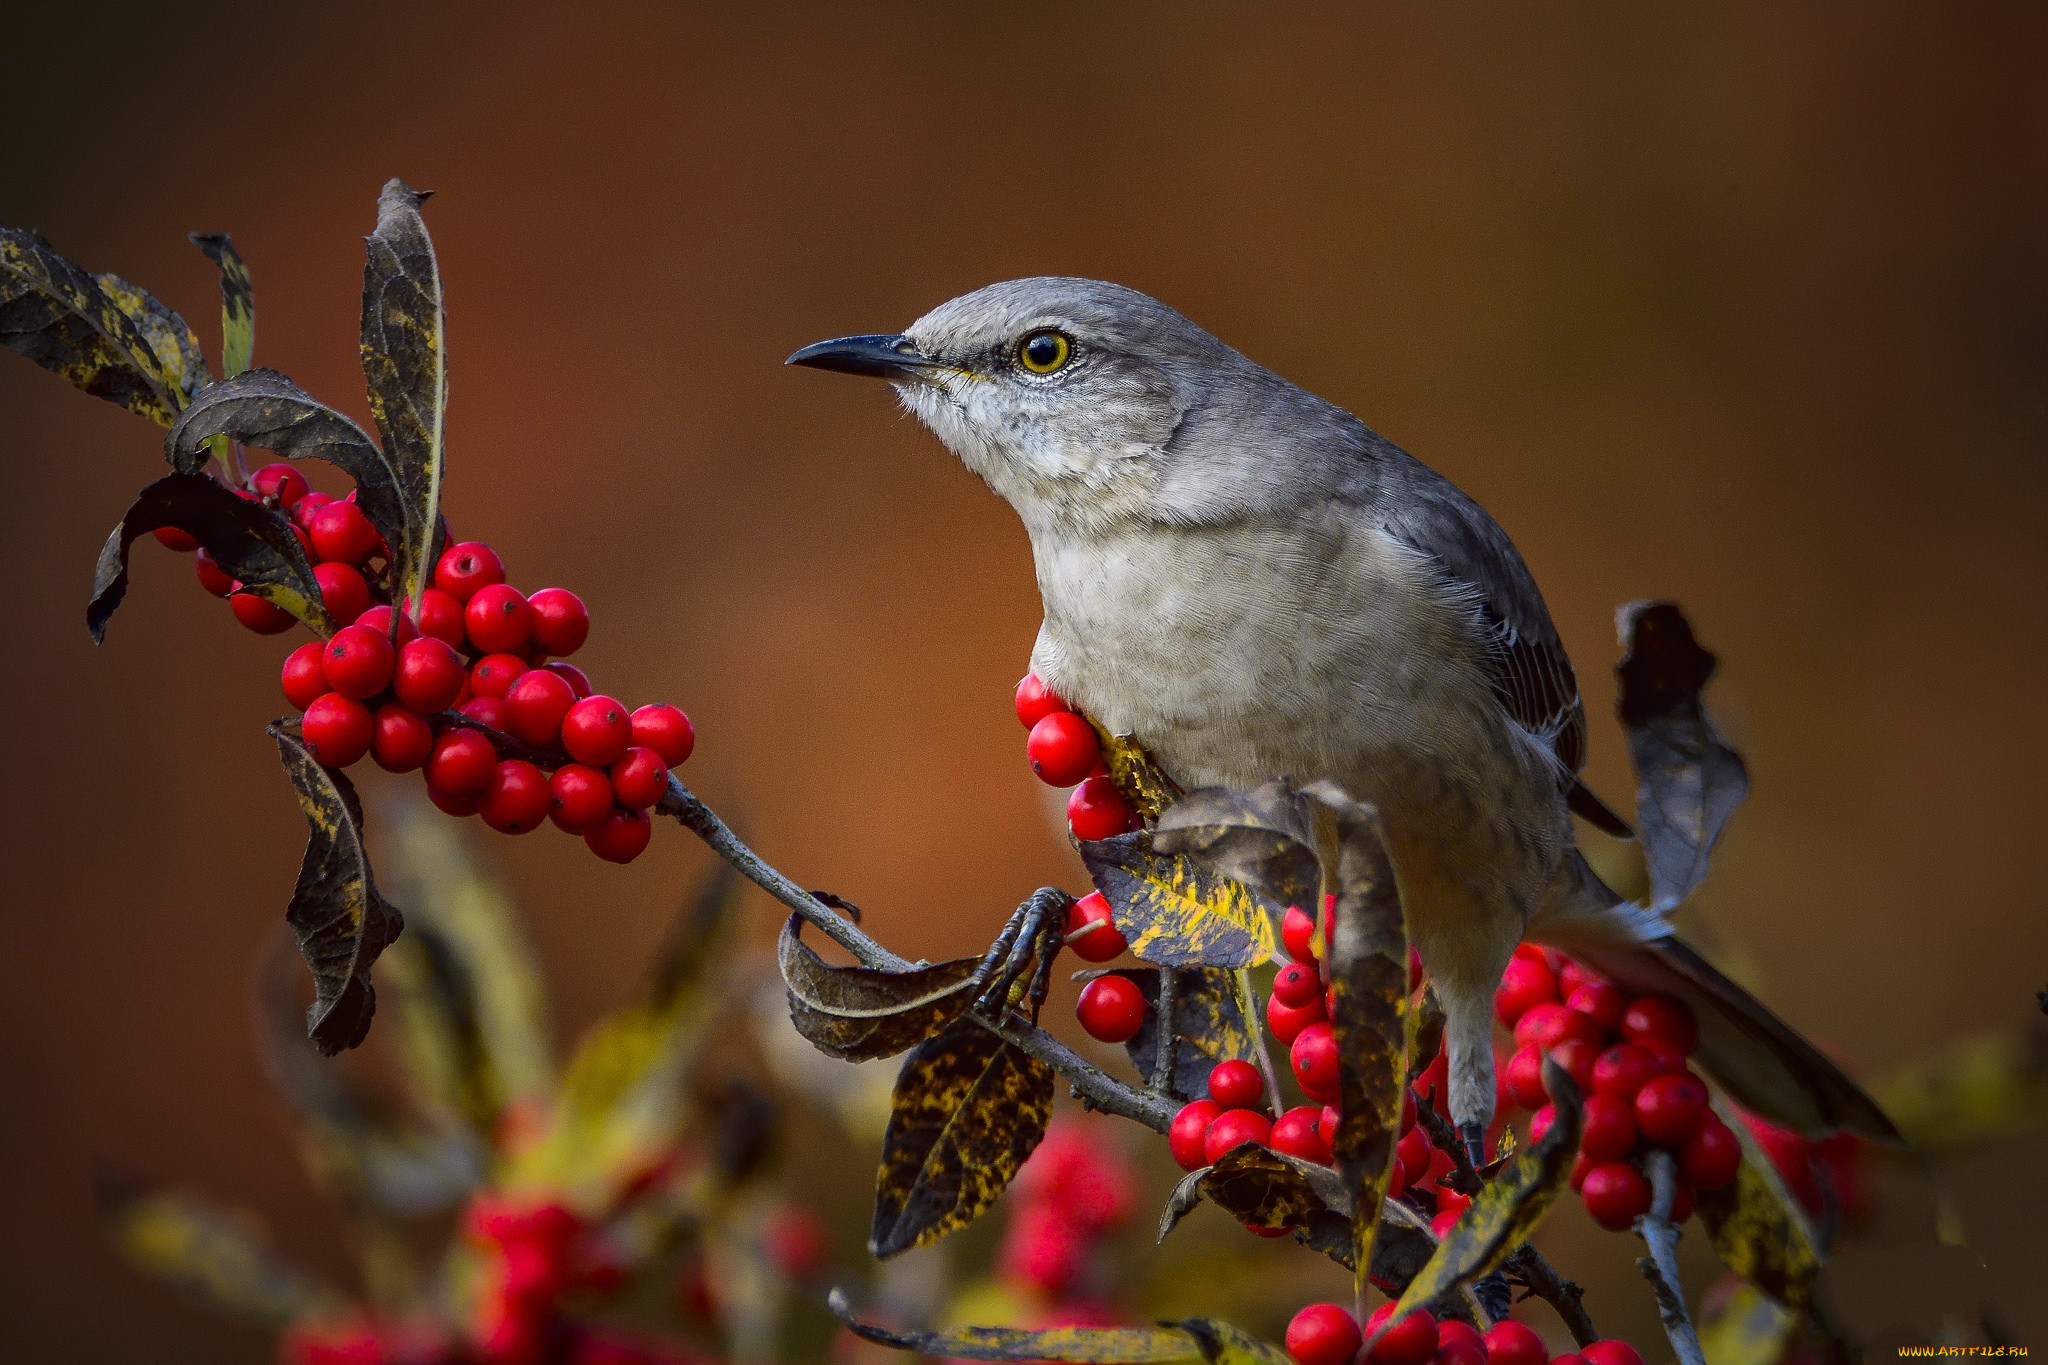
{"points": [[405, 360], [168, 336], [1758, 1228], [1175, 910], [212, 1253], [967, 1109], [858, 1014], [1140, 781], [1208, 1020], [1197, 1339], [237, 302], [249, 541], [341, 920], [61, 317], [1687, 781]]}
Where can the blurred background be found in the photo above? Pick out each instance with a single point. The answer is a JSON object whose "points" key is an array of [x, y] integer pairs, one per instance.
{"points": [[1738, 306]]}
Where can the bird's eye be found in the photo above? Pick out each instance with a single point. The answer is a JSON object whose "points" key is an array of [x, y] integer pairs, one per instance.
{"points": [[1044, 352]]}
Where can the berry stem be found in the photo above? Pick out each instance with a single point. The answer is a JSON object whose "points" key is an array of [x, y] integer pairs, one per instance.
{"points": [[1167, 1042], [1660, 1267], [1248, 1002]]}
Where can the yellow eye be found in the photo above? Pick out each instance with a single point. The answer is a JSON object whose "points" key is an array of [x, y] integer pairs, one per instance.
{"points": [[1044, 352]]}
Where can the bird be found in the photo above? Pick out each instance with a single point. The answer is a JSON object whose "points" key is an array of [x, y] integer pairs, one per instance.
{"points": [[1251, 583]]}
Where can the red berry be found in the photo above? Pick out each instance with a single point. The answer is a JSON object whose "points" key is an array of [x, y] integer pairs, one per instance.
{"points": [[1235, 1084], [1525, 984], [1570, 1358], [1036, 701], [1682, 1200], [261, 616], [1408, 1113], [1111, 1009], [665, 730], [170, 537], [337, 730], [1622, 1070], [1434, 1084], [308, 507], [1602, 1000], [494, 674], [1459, 1352], [597, 731], [1297, 983], [1063, 749], [1287, 1022], [1451, 1203], [1297, 933], [378, 618], [1611, 1353], [400, 740], [211, 576], [560, 622], [535, 704], [1329, 1119], [450, 804], [1414, 1153], [342, 534], [1616, 1194], [1572, 975], [516, 799], [639, 779], [622, 837], [461, 764], [280, 483], [1314, 1058], [1670, 1110], [428, 676], [303, 680], [489, 711], [1298, 1132], [1577, 1056], [1609, 1128], [440, 617], [1542, 1119], [1514, 1343], [1099, 944], [1555, 1023], [498, 619], [1659, 1016], [358, 662], [1411, 1341], [582, 798], [1190, 1126], [1233, 1128], [466, 567], [1525, 1078], [1097, 810], [1670, 1057], [1323, 1334], [578, 680], [342, 590], [1713, 1156]]}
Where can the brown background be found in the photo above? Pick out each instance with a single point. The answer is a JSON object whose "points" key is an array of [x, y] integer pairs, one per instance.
{"points": [[1741, 308]]}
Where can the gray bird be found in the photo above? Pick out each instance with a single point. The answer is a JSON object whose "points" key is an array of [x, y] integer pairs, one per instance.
{"points": [[1253, 584]]}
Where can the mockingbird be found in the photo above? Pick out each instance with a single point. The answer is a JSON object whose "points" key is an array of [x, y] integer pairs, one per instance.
{"points": [[1253, 584]]}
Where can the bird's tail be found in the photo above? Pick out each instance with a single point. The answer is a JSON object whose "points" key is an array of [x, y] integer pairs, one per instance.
{"points": [[1756, 1057]]}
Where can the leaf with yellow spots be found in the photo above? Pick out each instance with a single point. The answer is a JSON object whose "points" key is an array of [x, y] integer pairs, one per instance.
{"points": [[1199, 1340], [1175, 909], [237, 303], [213, 1253], [251, 543], [1758, 1228], [859, 1014], [1208, 1024], [967, 1109], [64, 319], [341, 919], [1140, 781]]}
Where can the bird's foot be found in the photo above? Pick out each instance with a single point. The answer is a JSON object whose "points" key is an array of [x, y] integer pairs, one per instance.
{"points": [[1032, 934], [1475, 1143]]}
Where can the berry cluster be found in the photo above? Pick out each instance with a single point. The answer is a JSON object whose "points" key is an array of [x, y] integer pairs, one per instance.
{"points": [[1065, 752], [479, 648], [1327, 1334], [1066, 1198]]}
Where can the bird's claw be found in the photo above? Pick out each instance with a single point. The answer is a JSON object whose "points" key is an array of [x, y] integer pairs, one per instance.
{"points": [[1474, 1135], [1032, 933]]}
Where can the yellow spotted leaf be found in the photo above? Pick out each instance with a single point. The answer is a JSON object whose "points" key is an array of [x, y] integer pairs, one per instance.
{"points": [[1139, 780], [237, 303], [1748, 1328], [1757, 1226], [1194, 1340], [1175, 909], [63, 318], [169, 338]]}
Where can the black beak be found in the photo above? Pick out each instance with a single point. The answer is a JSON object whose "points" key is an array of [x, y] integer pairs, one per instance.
{"points": [[880, 356]]}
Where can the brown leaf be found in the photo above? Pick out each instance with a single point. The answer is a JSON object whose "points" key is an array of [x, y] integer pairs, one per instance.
{"points": [[860, 1013]]}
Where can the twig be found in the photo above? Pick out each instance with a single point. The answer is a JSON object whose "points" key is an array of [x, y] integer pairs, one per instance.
{"points": [[1091, 1084], [1526, 1264], [1660, 1267], [1248, 1004], [1166, 1040], [1444, 1137]]}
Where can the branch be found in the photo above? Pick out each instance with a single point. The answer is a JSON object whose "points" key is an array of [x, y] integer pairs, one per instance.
{"points": [[1163, 1030], [1660, 1267], [1092, 1085], [1445, 1138], [1526, 1264]]}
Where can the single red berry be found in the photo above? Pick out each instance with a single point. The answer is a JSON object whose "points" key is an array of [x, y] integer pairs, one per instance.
{"points": [[280, 483], [1683, 1198], [1535, 1022], [1439, 1167], [1622, 1070], [1608, 1128], [498, 619], [1314, 1058], [1670, 1057], [1287, 1022], [1601, 1000], [1450, 1207], [622, 837], [440, 617], [1540, 1122], [1099, 944], [337, 729], [1659, 1016], [561, 623], [1297, 983], [303, 680], [1235, 1084], [1298, 1132], [535, 703], [516, 799], [1524, 985], [1232, 1129], [428, 676], [462, 763], [1063, 749], [494, 674], [1036, 701], [1414, 1152], [1111, 1009], [378, 618], [308, 507], [341, 533], [1536, 952], [1434, 1084], [211, 576], [358, 662], [1577, 1056], [1525, 1078], [1328, 1119], [1451, 1330], [261, 616], [639, 779], [1670, 1110], [450, 804], [466, 567], [342, 590], [1323, 1334], [170, 537], [1560, 1024], [1097, 810], [1190, 1126], [1408, 1112], [1611, 1353], [1616, 1194], [1297, 934], [1458, 1352], [1713, 1156], [582, 798], [597, 731], [1572, 975], [1515, 1343], [578, 680], [489, 711], [1570, 1358], [400, 740], [1411, 1341], [664, 729]]}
